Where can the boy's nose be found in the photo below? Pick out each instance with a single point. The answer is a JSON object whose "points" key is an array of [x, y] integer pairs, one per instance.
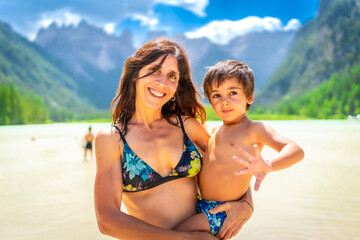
{"points": [[225, 102]]}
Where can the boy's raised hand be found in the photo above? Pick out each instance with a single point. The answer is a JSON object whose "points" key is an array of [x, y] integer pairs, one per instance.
{"points": [[255, 165]]}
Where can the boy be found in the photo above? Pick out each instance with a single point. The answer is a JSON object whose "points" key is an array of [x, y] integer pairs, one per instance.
{"points": [[229, 87]]}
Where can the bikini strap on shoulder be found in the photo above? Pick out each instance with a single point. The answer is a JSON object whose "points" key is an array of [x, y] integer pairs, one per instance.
{"points": [[181, 122], [121, 135]]}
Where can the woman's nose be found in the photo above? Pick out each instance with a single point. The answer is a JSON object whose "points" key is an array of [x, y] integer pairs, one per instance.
{"points": [[161, 79]]}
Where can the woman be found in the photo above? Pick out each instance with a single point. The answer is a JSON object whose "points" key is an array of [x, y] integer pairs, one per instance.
{"points": [[154, 117]]}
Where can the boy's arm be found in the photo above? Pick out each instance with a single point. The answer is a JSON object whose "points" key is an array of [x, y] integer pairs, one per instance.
{"points": [[289, 154]]}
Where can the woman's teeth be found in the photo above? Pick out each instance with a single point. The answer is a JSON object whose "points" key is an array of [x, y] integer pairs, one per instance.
{"points": [[156, 93]]}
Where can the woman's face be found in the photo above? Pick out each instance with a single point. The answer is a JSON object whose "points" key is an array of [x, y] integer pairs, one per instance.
{"points": [[155, 90]]}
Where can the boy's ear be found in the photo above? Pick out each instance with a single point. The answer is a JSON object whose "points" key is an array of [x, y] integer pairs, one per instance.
{"points": [[250, 99]]}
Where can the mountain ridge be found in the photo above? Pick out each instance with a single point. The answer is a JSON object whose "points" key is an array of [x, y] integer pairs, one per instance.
{"points": [[100, 82]]}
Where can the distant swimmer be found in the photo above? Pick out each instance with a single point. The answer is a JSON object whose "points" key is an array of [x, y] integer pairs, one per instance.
{"points": [[89, 138]]}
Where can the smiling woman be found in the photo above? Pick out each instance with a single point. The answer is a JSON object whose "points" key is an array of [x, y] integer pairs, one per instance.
{"points": [[157, 82], [149, 159]]}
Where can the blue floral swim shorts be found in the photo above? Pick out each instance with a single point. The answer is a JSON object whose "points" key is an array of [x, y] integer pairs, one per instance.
{"points": [[215, 220]]}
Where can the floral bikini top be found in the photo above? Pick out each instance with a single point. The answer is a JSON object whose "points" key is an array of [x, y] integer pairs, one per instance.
{"points": [[138, 175]]}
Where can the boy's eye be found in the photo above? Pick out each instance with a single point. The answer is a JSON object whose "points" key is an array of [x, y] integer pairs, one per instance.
{"points": [[216, 95], [233, 93]]}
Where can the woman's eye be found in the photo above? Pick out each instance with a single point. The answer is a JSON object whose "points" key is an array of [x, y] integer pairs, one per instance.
{"points": [[173, 77]]}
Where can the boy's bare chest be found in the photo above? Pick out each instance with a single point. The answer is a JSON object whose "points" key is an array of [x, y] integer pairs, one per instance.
{"points": [[224, 145]]}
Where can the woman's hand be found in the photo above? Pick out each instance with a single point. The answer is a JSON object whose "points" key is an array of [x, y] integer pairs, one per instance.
{"points": [[198, 235], [256, 166], [237, 214]]}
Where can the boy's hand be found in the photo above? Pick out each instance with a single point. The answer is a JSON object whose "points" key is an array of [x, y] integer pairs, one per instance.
{"points": [[256, 166]]}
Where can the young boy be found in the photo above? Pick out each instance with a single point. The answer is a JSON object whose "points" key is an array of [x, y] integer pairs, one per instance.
{"points": [[229, 87]]}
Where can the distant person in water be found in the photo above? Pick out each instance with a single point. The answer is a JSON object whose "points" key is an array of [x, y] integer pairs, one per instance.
{"points": [[89, 138]]}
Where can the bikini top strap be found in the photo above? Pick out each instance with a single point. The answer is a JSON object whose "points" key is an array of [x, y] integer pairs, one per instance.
{"points": [[121, 135], [182, 125]]}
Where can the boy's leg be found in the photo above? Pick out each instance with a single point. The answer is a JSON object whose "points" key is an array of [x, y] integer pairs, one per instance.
{"points": [[198, 222]]}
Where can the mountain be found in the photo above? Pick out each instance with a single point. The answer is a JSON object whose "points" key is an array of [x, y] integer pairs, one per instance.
{"points": [[92, 57], [33, 70], [262, 51], [202, 53], [324, 46], [95, 59], [336, 98]]}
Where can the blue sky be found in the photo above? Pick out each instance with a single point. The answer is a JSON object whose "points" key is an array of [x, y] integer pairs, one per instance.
{"points": [[218, 20]]}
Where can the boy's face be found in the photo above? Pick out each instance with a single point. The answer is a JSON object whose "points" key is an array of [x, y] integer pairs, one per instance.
{"points": [[229, 100]]}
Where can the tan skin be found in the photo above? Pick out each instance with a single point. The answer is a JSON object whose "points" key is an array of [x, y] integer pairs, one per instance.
{"points": [[153, 212], [217, 179]]}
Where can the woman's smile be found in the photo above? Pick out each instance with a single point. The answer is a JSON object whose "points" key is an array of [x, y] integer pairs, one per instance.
{"points": [[156, 93]]}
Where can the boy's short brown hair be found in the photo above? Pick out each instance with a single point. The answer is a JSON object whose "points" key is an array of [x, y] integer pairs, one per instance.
{"points": [[218, 73]]}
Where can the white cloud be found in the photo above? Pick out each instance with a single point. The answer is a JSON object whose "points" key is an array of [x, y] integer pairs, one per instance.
{"points": [[60, 17], [110, 27], [149, 21], [224, 31], [293, 24], [195, 6]]}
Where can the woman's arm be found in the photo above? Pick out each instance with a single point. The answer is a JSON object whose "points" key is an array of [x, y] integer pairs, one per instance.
{"points": [[196, 132], [108, 196], [237, 214]]}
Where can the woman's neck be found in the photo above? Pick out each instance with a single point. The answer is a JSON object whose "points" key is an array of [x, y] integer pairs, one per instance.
{"points": [[146, 117]]}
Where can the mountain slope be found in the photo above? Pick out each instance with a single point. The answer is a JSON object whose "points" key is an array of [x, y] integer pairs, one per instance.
{"points": [[336, 98], [323, 46], [31, 69], [94, 58], [262, 51]]}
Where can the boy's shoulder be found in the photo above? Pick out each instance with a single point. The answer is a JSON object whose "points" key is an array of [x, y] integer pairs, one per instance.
{"points": [[257, 124], [258, 127], [248, 126]]}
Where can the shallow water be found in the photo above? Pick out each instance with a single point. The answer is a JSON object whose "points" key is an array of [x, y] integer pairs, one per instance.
{"points": [[46, 187]]}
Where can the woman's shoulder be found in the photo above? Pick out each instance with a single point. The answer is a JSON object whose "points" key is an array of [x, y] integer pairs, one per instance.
{"points": [[186, 118], [196, 131], [190, 122], [108, 133], [108, 141]]}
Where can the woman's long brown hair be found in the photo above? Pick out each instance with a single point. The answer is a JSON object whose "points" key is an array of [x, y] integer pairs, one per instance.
{"points": [[187, 97]]}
